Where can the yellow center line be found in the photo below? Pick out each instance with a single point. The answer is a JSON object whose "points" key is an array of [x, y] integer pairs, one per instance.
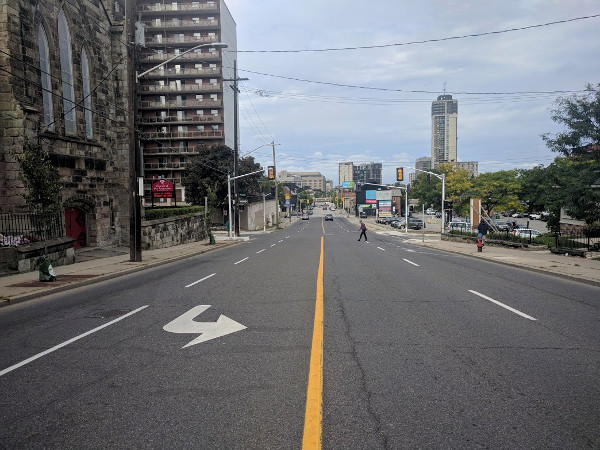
{"points": [[313, 416]]}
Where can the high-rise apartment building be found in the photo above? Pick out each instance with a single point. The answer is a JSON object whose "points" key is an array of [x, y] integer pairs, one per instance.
{"points": [[185, 103], [345, 172], [444, 119], [368, 173]]}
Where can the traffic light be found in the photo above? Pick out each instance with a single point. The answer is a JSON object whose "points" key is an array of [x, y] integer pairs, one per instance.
{"points": [[271, 172], [399, 173]]}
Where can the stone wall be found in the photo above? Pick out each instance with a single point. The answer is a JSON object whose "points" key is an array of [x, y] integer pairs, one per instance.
{"points": [[163, 233], [24, 258]]}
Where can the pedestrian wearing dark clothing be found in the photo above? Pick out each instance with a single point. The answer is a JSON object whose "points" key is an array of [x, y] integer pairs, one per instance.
{"points": [[483, 229], [363, 231]]}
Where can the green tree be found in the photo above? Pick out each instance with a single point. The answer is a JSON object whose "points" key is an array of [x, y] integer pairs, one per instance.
{"points": [[41, 179], [574, 175], [208, 169], [498, 190]]}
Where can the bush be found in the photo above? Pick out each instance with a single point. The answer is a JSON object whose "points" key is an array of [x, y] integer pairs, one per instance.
{"points": [[161, 213]]}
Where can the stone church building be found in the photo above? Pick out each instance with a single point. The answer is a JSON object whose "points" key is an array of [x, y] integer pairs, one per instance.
{"points": [[64, 86]]}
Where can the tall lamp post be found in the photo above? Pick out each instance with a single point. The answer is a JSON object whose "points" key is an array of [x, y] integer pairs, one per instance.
{"points": [[137, 186]]}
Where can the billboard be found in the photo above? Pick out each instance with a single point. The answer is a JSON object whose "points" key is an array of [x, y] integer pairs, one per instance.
{"points": [[371, 197], [348, 185]]}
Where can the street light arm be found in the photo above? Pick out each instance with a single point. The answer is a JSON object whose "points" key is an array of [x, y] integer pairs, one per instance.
{"points": [[212, 44], [246, 175]]}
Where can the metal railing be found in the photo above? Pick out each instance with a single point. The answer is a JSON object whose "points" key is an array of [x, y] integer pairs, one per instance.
{"points": [[583, 240], [25, 228]]}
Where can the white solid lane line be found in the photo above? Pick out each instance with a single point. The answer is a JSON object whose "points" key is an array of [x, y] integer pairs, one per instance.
{"points": [[241, 260], [516, 311], [200, 281], [70, 341], [410, 262]]}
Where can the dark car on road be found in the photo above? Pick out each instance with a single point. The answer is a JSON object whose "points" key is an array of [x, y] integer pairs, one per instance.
{"points": [[362, 215], [329, 217]]}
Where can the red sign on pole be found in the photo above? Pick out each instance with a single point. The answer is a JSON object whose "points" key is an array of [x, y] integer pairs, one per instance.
{"points": [[163, 189]]}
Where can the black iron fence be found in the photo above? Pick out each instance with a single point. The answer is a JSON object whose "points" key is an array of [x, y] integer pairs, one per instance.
{"points": [[584, 240], [25, 228]]}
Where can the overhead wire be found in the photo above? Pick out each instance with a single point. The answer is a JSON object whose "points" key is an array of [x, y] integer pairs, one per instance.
{"points": [[427, 41]]}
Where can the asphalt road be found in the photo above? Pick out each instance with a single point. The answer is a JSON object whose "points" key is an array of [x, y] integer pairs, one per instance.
{"points": [[420, 350]]}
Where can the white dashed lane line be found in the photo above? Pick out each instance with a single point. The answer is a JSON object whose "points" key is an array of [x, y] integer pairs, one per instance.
{"points": [[410, 262], [200, 281], [241, 260]]}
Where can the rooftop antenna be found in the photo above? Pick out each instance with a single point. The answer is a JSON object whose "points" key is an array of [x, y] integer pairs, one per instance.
{"points": [[444, 88]]}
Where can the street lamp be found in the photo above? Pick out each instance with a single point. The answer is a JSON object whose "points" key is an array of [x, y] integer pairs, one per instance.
{"points": [[137, 186]]}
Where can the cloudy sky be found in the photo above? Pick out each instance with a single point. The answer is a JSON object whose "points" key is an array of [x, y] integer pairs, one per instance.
{"points": [[324, 100]]}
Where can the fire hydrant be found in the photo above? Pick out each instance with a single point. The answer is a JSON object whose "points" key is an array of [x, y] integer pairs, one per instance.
{"points": [[479, 242]]}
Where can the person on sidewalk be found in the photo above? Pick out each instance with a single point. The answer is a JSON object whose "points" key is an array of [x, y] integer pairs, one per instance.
{"points": [[363, 231], [483, 229]]}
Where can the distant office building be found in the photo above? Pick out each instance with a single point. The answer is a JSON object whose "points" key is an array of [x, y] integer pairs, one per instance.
{"points": [[311, 180], [345, 172], [444, 119], [471, 166], [423, 163], [368, 173]]}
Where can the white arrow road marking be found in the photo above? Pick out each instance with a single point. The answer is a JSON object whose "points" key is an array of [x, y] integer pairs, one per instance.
{"points": [[516, 311], [200, 281], [410, 262], [209, 330], [241, 260]]}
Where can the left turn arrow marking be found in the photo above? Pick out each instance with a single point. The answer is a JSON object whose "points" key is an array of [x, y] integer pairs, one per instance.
{"points": [[207, 330]]}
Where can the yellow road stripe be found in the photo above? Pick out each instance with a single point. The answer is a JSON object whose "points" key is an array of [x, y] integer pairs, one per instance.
{"points": [[313, 417]]}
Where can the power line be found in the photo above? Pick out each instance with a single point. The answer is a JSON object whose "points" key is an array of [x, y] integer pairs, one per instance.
{"points": [[426, 41]]}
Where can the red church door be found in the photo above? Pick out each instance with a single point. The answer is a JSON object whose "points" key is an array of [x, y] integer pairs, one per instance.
{"points": [[75, 226]]}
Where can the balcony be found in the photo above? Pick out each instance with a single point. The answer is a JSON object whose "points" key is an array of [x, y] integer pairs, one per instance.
{"points": [[180, 120], [161, 72], [164, 165], [181, 24], [181, 104], [169, 151], [155, 135], [178, 7], [170, 40], [157, 58], [180, 88]]}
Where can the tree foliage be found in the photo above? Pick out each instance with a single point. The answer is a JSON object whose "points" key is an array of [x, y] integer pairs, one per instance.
{"points": [[41, 179], [206, 175], [498, 191], [573, 176]]}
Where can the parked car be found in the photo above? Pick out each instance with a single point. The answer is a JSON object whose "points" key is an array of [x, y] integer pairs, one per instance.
{"points": [[415, 224], [430, 212], [362, 215], [305, 216], [535, 216], [526, 233], [397, 222], [329, 217], [502, 225]]}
